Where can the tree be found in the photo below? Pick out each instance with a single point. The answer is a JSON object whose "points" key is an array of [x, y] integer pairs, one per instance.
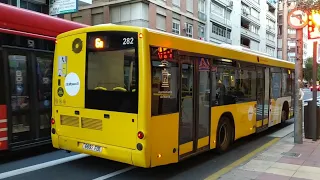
{"points": [[307, 72]]}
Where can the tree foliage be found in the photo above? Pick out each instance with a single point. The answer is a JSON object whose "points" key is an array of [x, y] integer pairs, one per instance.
{"points": [[307, 71], [307, 5]]}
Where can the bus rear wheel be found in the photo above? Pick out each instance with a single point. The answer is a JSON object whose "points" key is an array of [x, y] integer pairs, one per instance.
{"points": [[224, 134]]}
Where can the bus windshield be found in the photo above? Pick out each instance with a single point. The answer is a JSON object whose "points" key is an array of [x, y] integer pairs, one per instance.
{"points": [[112, 71]]}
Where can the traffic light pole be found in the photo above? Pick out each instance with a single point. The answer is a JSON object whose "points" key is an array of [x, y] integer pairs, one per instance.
{"points": [[298, 116], [314, 91]]}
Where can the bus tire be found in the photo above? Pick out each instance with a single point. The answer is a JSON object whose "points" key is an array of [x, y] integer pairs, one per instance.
{"points": [[224, 134], [284, 116]]}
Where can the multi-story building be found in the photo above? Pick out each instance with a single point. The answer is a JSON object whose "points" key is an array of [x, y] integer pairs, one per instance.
{"points": [[249, 23], [290, 43], [34, 5]]}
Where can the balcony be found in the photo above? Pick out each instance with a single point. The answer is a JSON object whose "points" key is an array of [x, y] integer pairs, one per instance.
{"points": [[220, 20], [270, 29], [249, 17], [227, 3], [220, 38], [271, 43], [202, 16], [250, 34], [271, 15]]}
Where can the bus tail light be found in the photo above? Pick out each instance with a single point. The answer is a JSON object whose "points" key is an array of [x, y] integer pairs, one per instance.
{"points": [[52, 121], [140, 35], [140, 135]]}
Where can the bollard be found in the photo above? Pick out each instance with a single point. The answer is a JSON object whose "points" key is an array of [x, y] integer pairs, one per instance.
{"points": [[307, 120]]}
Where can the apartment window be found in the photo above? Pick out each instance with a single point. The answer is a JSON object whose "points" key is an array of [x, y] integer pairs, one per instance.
{"points": [[221, 31], [280, 30], [291, 31], [201, 6], [305, 45], [176, 2], [257, 1], [189, 31], [201, 31], [270, 50], [270, 36], [190, 5], [271, 23], [161, 22], [280, 54], [97, 19], [254, 45], [227, 14], [175, 26], [255, 13], [245, 9], [254, 29], [279, 43], [216, 9], [292, 43]]}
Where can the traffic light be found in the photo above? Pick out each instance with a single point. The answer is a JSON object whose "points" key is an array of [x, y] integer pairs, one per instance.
{"points": [[314, 25]]}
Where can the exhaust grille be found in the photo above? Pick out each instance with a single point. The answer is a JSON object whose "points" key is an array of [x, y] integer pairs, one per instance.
{"points": [[88, 123], [69, 120]]}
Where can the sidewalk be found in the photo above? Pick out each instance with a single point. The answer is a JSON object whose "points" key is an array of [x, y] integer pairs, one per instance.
{"points": [[282, 161]]}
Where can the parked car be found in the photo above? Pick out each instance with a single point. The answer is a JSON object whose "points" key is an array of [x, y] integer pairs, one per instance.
{"points": [[318, 88]]}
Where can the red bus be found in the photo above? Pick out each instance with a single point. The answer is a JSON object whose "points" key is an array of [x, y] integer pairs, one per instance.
{"points": [[27, 41]]}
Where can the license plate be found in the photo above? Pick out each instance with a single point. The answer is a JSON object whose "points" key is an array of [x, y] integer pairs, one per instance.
{"points": [[92, 147]]}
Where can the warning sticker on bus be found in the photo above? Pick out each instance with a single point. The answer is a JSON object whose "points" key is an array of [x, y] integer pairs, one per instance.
{"points": [[62, 66]]}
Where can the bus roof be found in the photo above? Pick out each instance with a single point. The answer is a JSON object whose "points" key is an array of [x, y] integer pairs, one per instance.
{"points": [[135, 28], [13, 19]]}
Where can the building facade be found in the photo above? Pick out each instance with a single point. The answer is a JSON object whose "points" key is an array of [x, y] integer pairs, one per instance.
{"points": [[291, 35], [248, 23]]}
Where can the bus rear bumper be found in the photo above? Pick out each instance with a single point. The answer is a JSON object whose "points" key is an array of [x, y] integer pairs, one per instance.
{"points": [[114, 153]]}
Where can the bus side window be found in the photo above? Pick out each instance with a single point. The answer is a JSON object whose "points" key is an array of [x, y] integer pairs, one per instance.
{"points": [[2, 85], [165, 81]]}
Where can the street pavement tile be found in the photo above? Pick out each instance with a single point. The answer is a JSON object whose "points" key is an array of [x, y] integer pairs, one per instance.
{"points": [[286, 166], [291, 160], [282, 172], [267, 158], [311, 163], [257, 165], [294, 178], [267, 176], [240, 174], [300, 149], [309, 169], [306, 175]]}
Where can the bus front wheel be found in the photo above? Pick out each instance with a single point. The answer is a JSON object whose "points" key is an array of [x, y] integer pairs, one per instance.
{"points": [[224, 134]]}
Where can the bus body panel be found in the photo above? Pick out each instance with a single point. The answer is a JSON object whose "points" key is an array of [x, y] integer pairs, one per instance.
{"points": [[91, 126], [165, 151], [69, 70], [276, 109], [244, 117], [115, 153]]}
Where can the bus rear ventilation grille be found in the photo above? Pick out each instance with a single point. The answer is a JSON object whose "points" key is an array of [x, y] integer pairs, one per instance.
{"points": [[69, 120], [89, 123]]}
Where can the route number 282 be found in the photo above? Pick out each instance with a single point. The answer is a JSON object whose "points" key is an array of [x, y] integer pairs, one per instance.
{"points": [[127, 41]]}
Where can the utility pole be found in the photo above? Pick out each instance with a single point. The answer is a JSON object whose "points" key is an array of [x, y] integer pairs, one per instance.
{"points": [[285, 30], [298, 116]]}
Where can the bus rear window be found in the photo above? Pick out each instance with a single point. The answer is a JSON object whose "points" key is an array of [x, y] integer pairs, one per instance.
{"points": [[112, 71]]}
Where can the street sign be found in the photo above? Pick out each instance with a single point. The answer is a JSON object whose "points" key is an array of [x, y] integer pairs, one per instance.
{"points": [[297, 19]]}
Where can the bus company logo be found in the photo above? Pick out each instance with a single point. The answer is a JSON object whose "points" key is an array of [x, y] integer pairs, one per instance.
{"points": [[72, 84]]}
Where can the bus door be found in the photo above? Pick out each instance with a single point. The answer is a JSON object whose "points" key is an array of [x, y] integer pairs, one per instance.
{"points": [[28, 85], [263, 92], [194, 106]]}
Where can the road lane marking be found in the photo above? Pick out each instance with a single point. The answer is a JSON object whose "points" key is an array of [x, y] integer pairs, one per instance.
{"points": [[41, 166], [115, 173], [245, 158]]}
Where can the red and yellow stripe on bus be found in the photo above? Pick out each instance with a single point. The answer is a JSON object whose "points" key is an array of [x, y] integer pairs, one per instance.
{"points": [[3, 128]]}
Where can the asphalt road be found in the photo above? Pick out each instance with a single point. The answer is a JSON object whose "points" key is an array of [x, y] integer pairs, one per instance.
{"points": [[92, 168]]}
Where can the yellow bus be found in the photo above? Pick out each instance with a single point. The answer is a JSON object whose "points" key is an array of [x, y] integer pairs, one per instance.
{"points": [[150, 98]]}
